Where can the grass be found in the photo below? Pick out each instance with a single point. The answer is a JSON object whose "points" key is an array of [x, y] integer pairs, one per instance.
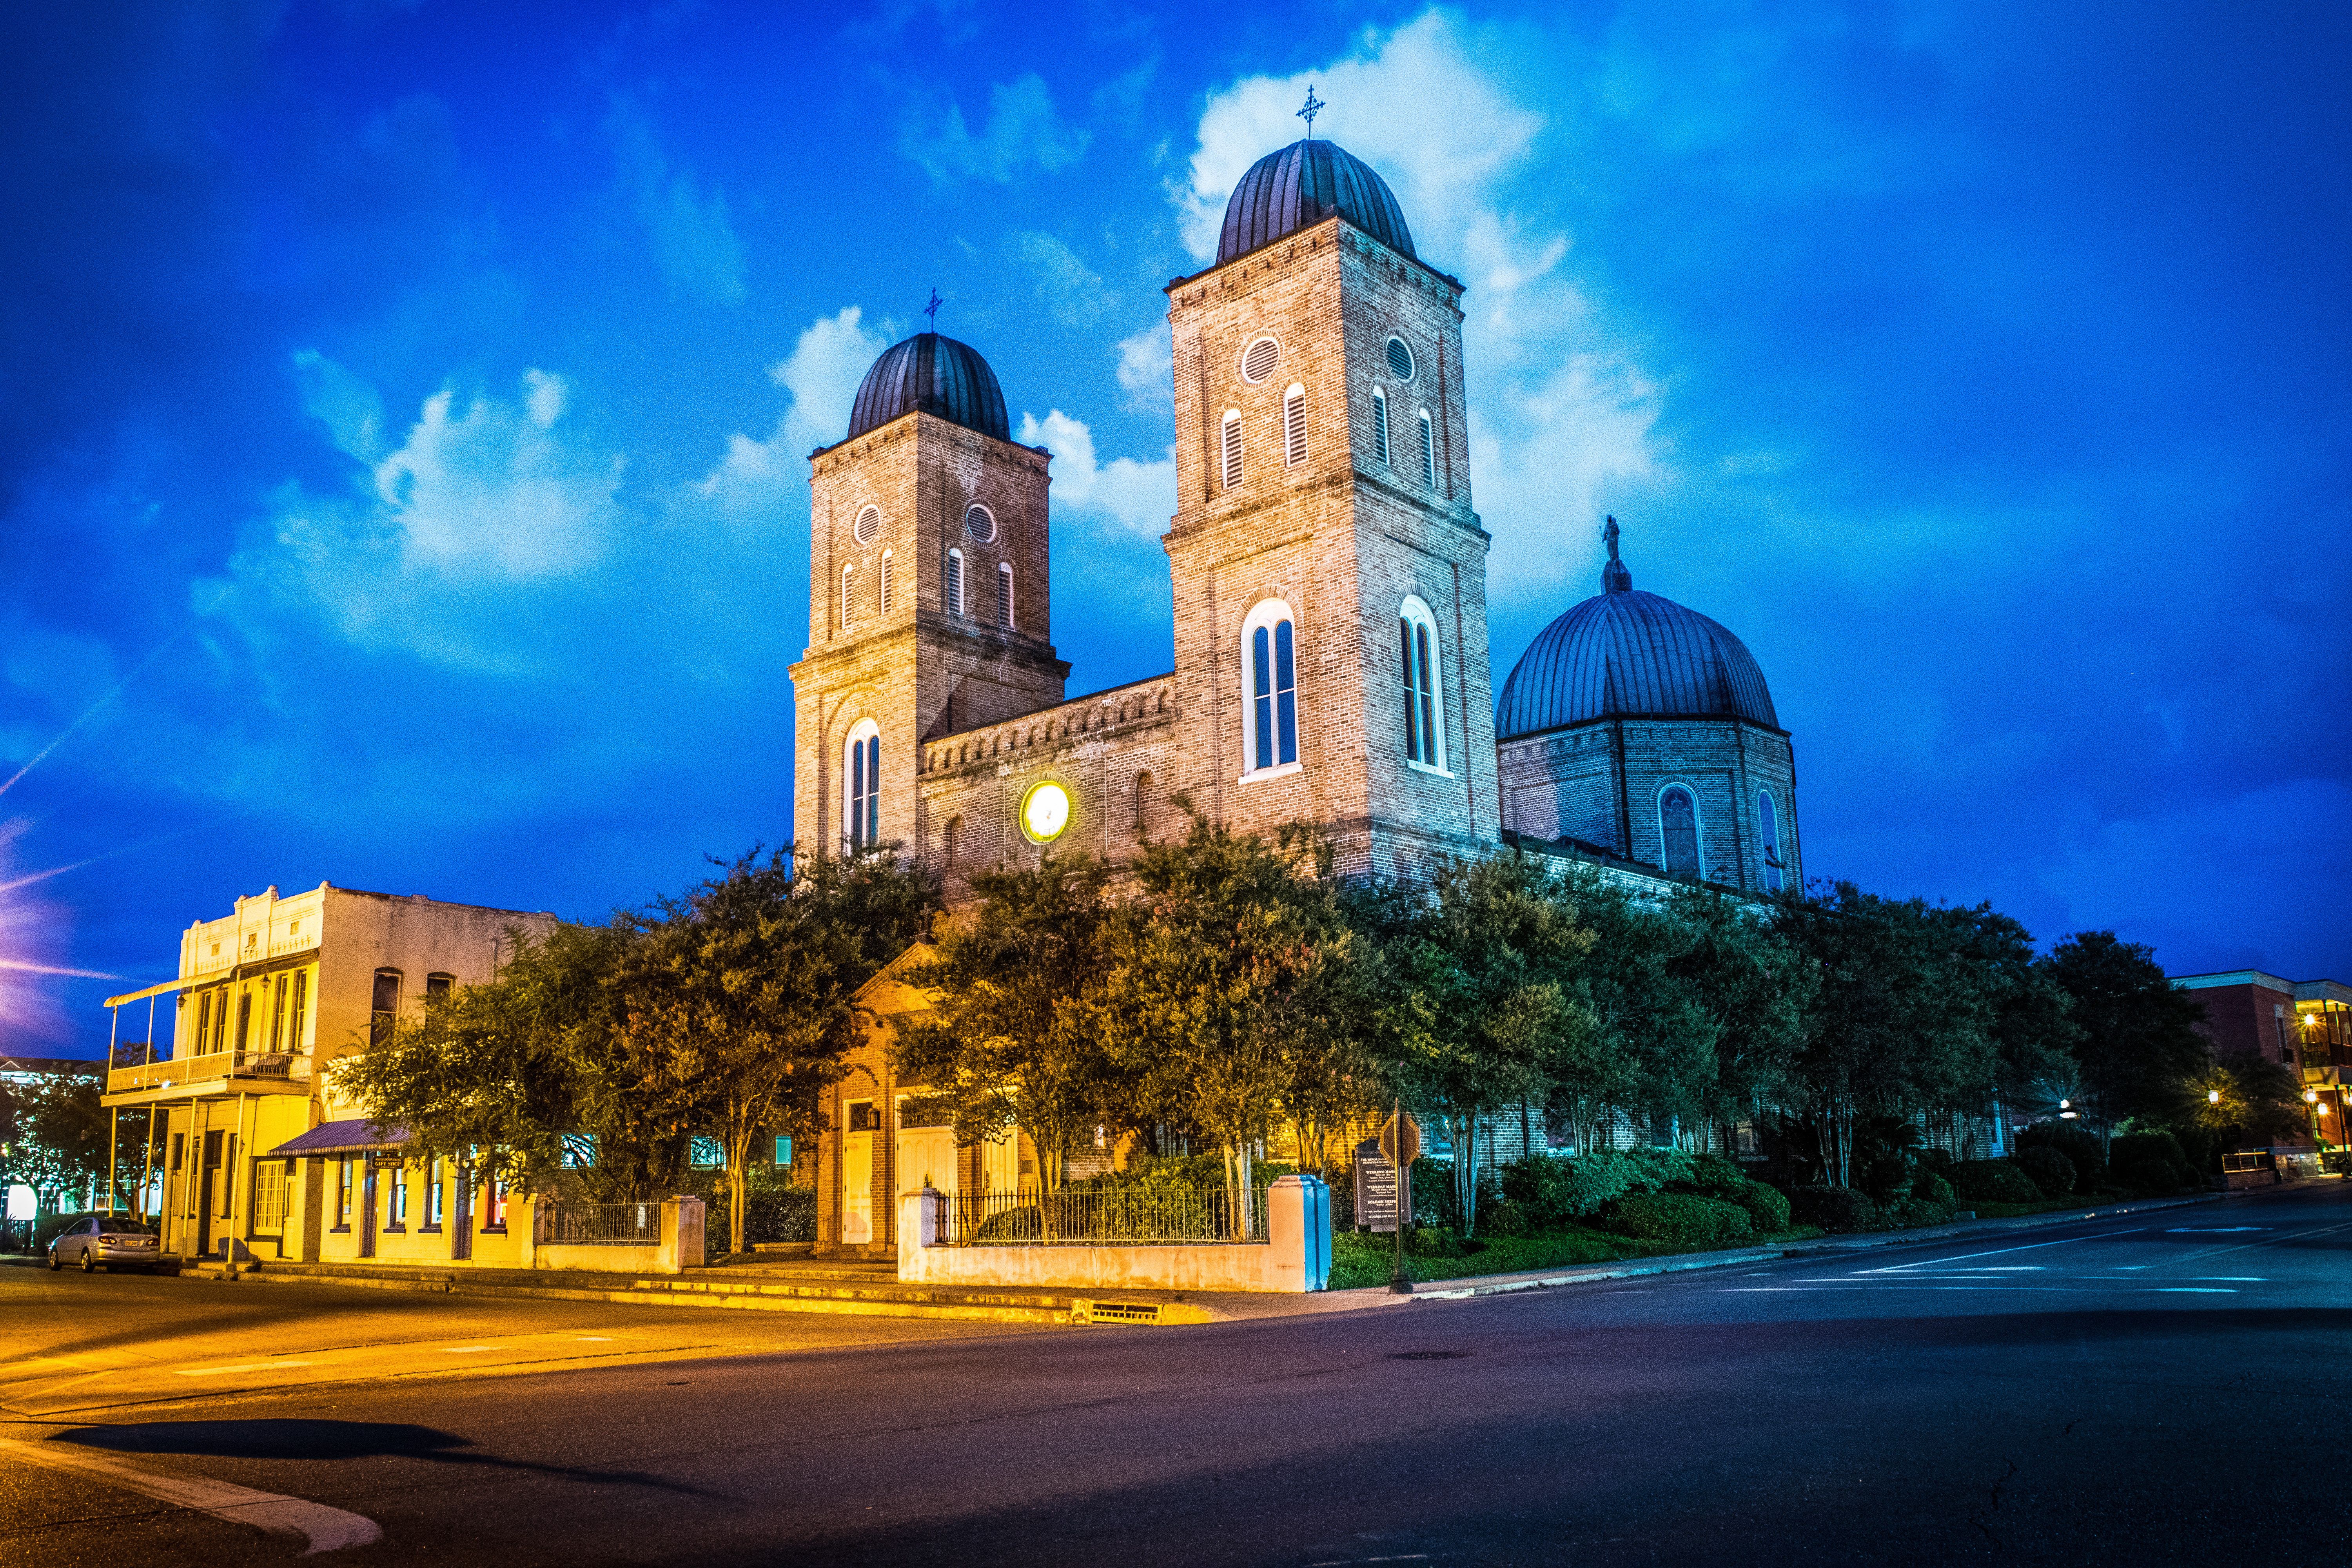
{"points": [[1370, 1260]]}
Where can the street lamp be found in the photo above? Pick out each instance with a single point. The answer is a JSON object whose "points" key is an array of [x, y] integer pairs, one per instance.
{"points": [[2214, 1097]]}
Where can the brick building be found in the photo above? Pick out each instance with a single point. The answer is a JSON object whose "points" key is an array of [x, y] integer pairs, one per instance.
{"points": [[1330, 663], [2304, 1025]]}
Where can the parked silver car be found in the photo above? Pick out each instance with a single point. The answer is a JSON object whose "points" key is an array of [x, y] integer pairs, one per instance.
{"points": [[115, 1242]]}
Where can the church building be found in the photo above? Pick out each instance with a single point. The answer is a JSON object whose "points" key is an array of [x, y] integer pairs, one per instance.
{"points": [[1330, 661]]}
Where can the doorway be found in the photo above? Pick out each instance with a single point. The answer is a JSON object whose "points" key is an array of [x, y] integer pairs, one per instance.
{"points": [[461, 1218], [857, 1175], [207, 1185], [367, 1207]]}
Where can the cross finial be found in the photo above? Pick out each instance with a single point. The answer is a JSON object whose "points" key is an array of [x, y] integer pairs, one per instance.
{"points": [[1314, 107], [932, 309]]}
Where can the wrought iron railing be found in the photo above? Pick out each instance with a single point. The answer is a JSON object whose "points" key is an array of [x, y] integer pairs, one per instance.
{"points": [[281, 1065], [1118, 1214], [603, 1224]]}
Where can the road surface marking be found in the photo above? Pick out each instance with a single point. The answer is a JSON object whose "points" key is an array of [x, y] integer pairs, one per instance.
{"points": [[466, 1349], [326, 1529], [243, 1366], [2191, 1291], [2235, 1278], [1996, 1252], [2213, 1229], [595, 1338]]}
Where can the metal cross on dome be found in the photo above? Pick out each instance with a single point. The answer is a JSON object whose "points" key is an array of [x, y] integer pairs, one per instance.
{"points": [[1314, 107], [932, 309]]}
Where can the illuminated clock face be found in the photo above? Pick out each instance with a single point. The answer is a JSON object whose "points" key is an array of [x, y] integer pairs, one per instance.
{"points": [[1044, 811]]}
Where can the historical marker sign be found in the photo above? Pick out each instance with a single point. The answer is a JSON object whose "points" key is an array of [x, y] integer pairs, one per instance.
{"points": [[1376, 1190]]}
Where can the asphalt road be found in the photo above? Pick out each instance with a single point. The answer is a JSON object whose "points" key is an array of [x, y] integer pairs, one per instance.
{"points": [[2158, 1388]]}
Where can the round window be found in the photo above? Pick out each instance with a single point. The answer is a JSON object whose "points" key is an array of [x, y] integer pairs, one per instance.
{"points": [[1044, 811], [868, 524], [981, 523], [1400, 360], [1259, 359]]}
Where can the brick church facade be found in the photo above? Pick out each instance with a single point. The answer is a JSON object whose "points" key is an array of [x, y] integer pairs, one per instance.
{"points": [[1330, 662]]}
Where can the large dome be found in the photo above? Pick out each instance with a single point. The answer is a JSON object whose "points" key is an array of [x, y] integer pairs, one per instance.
{"points": [[1300, 186], [1630, 655], [930, 374]]}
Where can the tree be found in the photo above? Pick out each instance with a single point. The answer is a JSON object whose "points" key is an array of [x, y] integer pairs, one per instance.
{"points": [[2139, 1039], [1224, 982], [1756, 987], [1481, 1016], [1009, 1040], [59, 1137], [2244, 1098], [1655, 1040], [739, 997]]}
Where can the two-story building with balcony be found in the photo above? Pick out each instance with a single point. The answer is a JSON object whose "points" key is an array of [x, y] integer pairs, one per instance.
{"points": [[256, 1155]]}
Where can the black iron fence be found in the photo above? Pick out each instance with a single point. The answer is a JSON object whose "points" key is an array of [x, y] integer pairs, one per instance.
{"points": [[603, 1224], [1092, 1214]]}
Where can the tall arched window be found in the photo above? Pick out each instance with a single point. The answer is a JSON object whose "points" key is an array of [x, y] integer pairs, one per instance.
{"points": [[1380, 426], [1143, 805], [1678, 831], [1005, 595], [1270, 682], [948, 836], [849, 597], [886, 583], [1428, 452], [955, 582], [1424, 709], [1229, 445], [1294, 426], [861, 779], [1768, 833]]}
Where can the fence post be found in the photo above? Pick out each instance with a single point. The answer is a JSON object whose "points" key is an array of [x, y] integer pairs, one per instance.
{"points": [[531, 1232], [919, 1231], [682, 1234], [1298, 1234]]}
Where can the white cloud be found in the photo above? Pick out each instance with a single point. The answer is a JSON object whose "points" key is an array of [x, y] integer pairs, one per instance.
{"points": [[1562, 416], [1123, 498], [831, 356], [1023, 128], [1071, 289], [694, 242], [1147, 368]]}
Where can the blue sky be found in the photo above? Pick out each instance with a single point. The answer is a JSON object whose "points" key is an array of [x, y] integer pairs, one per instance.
{"points": [[403, 412]]}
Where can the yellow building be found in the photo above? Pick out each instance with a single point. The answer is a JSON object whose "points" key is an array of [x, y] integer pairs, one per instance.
{"points": [[266, 996]]}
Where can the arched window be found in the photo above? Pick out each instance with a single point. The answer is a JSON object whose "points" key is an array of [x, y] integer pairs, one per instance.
{"points": [[1424, 709], [1428, 452], [1294, 426], [1380, 426], [1143, 805], [1678, 831], [948, 836], [1231, 446], [1270, 682], [861, 778], [383, 1010], [1768, 833], [849, 597], [955, 582], [886, 583], [1005, 595]]}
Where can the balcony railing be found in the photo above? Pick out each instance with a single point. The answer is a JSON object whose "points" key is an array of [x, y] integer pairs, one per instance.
{"points": [[282, 1067]]}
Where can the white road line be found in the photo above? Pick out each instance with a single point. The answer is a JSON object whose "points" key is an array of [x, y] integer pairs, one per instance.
{"points": [[2190, 1290], [245, 1366], [466, 1349], [1997, 1251], [326, 1529]]}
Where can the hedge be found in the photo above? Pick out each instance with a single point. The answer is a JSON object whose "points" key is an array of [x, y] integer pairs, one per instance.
{"points": [[1680, 1219], [1834, 1208], [1993, 1181], [2048, 1170]]}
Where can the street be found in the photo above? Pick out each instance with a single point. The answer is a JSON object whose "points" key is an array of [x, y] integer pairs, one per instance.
{"points": [[2138, 1389]]}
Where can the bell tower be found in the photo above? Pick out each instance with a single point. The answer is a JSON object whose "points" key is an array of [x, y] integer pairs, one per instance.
{"points": [[930, 603], [1330, 576]]}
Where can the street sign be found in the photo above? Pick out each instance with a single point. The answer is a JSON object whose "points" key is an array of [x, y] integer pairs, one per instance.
{"points": [[1400, 1140]]}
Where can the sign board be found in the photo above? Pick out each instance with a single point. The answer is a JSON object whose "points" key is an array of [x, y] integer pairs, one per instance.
{"points": [[1400, 1140], [1376, 1191]]}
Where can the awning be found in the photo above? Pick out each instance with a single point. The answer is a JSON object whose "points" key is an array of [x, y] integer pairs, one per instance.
{"points": [[342, 1138], [141, 995]]}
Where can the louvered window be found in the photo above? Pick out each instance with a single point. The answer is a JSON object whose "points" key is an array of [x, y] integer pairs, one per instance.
{"points": [[886, 583], [1258, 360], [980, 523], [1003, 594], [955, 582], [1428, 452], [1232, 448], [1400, 360], [1294, 427], [849, 597], [1380, 426], [868, 524]]}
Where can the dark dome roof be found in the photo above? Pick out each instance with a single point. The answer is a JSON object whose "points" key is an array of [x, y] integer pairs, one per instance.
{"points": [[931, 374], [1301, 185], [1630, 655]]}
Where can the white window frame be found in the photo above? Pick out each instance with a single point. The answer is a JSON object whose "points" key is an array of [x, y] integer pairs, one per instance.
{"points": [[1698, 823], [884, 593], [860, 531], [1241, 360], [988, 538], [955, 585], [1004, 605], [1416, 612], [1380, 426], [849, 597], [1428, 450], [862, 731], [1412, 359], [1774, 839], [1266, 614], [1294, 426], [1229, 450]]}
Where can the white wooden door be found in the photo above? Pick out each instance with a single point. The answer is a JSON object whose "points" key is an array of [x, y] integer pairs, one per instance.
{"points": [[927, 1155], [856, 1188]]}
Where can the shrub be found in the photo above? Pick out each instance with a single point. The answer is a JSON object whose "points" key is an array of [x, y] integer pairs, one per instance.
{"points": [[1679, 1219], [2128, 1149], [1936, 1159], [2048, 1170], [2156, 1176], [1554, 1190], [1504, 1217], [1429, 1241], [1768, 1207], [1930, 1187], [1905, 1213], [1834, 1208], [1715, 1176], [1886, 1177], [1656, 1169], [2077, 1143], [1994, 1182]]}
